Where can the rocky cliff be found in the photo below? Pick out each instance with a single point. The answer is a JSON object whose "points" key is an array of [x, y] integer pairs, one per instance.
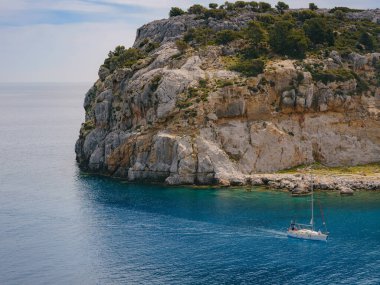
{"points": [[183, 117]]}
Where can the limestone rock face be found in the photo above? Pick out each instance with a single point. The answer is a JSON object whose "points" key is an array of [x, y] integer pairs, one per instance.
{"points": [[184, 118]]}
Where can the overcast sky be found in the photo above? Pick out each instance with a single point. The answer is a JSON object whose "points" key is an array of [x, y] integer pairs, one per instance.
{"points": [[67, 40]]}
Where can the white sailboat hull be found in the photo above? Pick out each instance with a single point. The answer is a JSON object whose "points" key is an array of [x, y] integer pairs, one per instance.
{"points": [[307, 234]]}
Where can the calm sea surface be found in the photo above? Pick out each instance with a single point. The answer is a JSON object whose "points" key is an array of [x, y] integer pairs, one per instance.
{"points": [[58, 226]]}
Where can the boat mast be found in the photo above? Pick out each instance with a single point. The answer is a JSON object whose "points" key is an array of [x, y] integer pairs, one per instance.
{"points": [[312, 204]]}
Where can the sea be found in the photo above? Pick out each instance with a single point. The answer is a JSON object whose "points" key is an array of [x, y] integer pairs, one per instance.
{"points": [[61, 226]]}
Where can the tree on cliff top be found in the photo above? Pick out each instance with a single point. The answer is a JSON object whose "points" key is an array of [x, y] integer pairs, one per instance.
{"points": [[196, 9], [313, 7], [122, 57], [264, 7], [281, 7], [175, 11]]}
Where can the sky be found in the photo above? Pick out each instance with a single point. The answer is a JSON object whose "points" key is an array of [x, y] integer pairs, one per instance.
{"points": [[67, 40]]}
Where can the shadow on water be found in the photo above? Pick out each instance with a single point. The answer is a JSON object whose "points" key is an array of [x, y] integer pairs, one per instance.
{"points": [[224, 235], [220, 206]]}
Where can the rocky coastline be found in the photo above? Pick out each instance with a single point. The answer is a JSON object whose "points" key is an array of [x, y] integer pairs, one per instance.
{"points": [[301, 184], [182, 116]]}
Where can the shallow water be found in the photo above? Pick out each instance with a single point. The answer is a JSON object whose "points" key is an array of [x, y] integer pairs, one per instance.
{"points": [[58, 226]]}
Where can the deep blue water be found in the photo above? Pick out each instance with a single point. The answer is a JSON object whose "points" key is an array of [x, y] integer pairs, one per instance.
{"points": [[58, 226]]}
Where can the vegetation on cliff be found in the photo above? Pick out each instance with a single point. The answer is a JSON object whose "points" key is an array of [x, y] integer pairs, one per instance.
{"points": [[279, 32], [273, 32], [293, 33]]}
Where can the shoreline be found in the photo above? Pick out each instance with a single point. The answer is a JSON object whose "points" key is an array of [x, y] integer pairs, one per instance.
{"points": [[297, 184], [300, 184]]}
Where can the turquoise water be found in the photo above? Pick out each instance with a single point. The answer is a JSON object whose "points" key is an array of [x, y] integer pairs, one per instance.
{"points": [[58, 226]]}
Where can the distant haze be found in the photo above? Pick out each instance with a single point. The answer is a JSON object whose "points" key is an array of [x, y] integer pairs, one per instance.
{"points": [[67, 40]]}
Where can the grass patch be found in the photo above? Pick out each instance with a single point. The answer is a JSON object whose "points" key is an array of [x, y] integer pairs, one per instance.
{"points": [[319, 169], [220, 83], [339, 75]]}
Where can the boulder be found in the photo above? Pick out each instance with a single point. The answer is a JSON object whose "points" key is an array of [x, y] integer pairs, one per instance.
{"points": [[334, 55], [358, 61], [288, 98], [344, 190], [301, 189]]}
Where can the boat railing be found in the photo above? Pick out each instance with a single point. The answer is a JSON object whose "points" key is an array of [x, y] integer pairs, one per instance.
{"points": [[303, 226]]}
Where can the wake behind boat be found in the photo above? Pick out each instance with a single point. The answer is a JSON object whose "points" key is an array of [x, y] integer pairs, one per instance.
{"points": [[308, 232]]}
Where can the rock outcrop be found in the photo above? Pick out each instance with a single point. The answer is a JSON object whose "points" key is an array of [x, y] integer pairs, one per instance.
{"points": [[184, 118]]}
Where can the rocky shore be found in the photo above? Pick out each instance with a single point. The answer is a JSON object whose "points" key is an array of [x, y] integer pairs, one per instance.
{"points": [[300, 184]]}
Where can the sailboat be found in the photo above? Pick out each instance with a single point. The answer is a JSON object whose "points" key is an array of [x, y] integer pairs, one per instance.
{"points": [[307, 231]]}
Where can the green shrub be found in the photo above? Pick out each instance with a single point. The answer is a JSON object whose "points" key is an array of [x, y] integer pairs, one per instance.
{"points": [[264, 7], [200, 94], [327, 76], [362, 85], [340, 15], [285, 39], [282, 7], [151, 46], [192, 92], [203, 83], [122, 57], [257, 38], [144, 42], [183, 104], [254, 5], [175, 11], [256, 33], [240, 4], [229, 6], [224, 83], [226, 36], [266, 19], [313, 7], [277, 35], [88, 125], [318, 31], [344, 10], [249, 67], [296, 44], [367, 40], [182, 46], [213, 5], [303, 15], [200, 36], [215, 13], [191, 113], [196, 9]]}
